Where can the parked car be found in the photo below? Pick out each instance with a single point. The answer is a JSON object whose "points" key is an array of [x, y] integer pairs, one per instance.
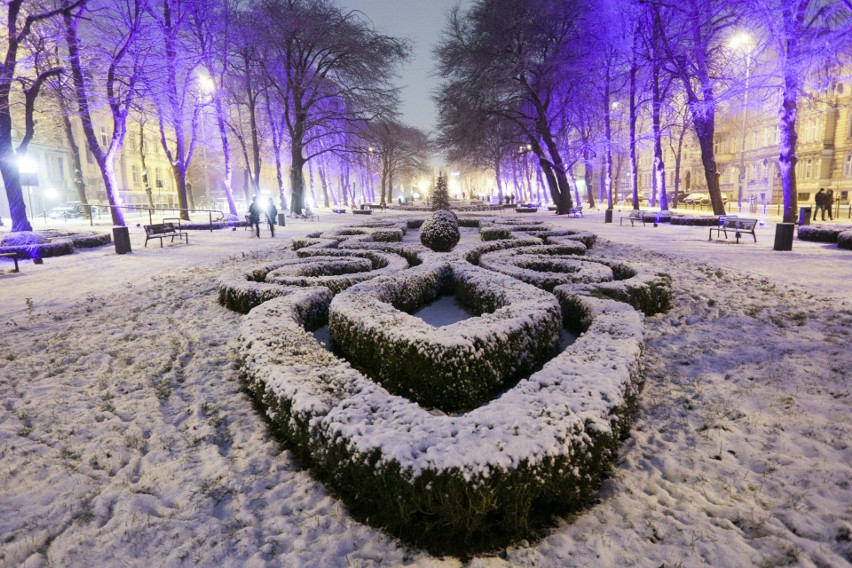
{"points": [[701, 199], [70, 210]]}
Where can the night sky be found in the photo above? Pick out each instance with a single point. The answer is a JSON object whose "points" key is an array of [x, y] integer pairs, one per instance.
{"points": [[421, 21]]}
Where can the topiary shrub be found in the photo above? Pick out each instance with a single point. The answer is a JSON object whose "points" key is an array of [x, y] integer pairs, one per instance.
{"points": [[440, 232], [467, 362], [821, 233], [844, 240], [695, 221]]}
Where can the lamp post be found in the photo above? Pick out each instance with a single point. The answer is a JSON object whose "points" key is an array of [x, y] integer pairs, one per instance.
{"points": [[28, 177], [207, 87], [742, 41]]}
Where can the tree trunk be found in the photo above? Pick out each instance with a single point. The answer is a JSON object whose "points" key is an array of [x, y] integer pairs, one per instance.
{"points": [[608, 142], [659, 165], [79, 183], [498, 178], [589, 175], [788, 139], [704, 129], [634, 165], [297, 180]]}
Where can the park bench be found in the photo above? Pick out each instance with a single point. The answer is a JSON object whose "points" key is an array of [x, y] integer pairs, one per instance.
{"points": [[575, 212], [738, 227], [309, 215], [362, 211], [634, 216], [339, 210], [526, 208], [163, 230], [13, 256]]}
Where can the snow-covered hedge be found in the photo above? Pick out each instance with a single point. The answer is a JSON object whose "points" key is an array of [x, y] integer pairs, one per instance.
{"points": [[450, 484], [440, 232], [465, 363], [694, 221], [336, 269], [821, 233], [90, 239], [546, 266], [844, 240]]}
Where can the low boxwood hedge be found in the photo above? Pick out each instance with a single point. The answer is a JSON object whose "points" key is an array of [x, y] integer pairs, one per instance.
{"points": [[821, 233], [450, 484], [465, 363], [844, 240]]}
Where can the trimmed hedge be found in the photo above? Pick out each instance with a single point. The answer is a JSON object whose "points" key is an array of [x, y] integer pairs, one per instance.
{"points": [[467, 362], [844, 240], [546, 266], [450, 484], [821, 233], [242, 290], [696, 221]]}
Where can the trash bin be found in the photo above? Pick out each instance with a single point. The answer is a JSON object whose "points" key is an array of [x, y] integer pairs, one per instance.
{"points": [[784, 235], [804, 216], [608, 216], [121, 236], [282, 219]]}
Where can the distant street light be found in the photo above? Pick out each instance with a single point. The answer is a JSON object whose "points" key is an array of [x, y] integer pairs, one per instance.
{"points": [[28, 176], [743, 42]]}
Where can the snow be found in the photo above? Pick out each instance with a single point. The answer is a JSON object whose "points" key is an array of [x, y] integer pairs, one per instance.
{"points": [[126, 437]]}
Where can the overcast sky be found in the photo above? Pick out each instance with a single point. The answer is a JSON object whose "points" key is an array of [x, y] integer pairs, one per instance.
{"points": [[420, 21]]}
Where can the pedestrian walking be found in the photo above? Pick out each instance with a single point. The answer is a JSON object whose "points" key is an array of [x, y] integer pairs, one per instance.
{"points": [[271, 215], [819, 201], [829, 203], [254, 216]]}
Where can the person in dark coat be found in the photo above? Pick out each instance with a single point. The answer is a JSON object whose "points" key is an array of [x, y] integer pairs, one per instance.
{"points": [[829, 203], [271, 215], [819, 201], [254, 216]]}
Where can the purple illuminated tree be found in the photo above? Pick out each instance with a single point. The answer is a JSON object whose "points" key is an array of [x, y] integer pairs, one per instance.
{"points": [[177, 88], [212, 24], [24, 36], [812, 41], [330, 68], [106, 69], [510, 59]]}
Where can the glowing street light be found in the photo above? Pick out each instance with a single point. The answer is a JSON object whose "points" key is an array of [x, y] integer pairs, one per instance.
{"points": [[28, 177], [743, 42]]}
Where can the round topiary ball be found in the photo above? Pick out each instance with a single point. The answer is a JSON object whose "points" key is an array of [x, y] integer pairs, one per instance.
{"points": [[440, 232]]}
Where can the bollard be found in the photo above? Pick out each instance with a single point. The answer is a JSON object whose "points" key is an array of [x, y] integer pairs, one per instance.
{"points": [[121, 236]]}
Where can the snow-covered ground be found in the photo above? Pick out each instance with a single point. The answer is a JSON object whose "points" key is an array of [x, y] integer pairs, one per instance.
{"points": [[126, 440]]}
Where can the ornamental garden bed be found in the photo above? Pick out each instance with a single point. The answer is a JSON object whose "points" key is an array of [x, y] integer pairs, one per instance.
{"points": [[457, 439], [44, 244]]}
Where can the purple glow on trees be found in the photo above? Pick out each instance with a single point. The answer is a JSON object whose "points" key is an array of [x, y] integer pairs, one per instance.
{"points": [[113, 56], [22, 22]]}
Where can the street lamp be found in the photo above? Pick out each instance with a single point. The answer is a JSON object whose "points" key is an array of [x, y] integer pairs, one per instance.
{"points": [[28, 177], [207, 87], [743, 42]]}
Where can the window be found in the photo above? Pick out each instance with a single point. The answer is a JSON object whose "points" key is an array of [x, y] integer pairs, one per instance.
{"points": [[89, 156], [134, 174], [104, 139], [847, 166], [60, 167], [809, 168], [158, 182], [131, 142]]}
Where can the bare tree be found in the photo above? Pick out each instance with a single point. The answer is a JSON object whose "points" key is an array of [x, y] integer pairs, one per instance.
{"points": [[24, 37], [812, 41], [112, 59], [398, 147], [509, 58], [330, 70]]}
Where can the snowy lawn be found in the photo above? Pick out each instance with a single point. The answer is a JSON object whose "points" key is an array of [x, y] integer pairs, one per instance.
{"points": [[125, 437]]}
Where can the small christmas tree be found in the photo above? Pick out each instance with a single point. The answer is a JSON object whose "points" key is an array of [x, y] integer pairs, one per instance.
{"points": [[441, 196]]}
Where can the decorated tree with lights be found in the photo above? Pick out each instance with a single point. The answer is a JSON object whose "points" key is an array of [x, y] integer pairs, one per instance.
{"points": [[440, 195]]}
